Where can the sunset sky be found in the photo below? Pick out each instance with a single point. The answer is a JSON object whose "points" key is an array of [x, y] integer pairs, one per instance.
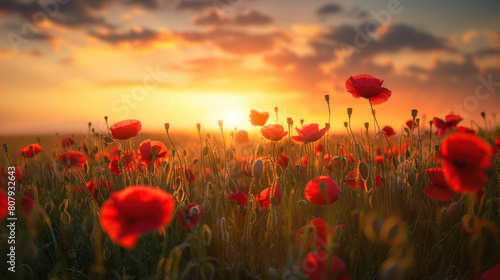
{"points": [[67, 62]]}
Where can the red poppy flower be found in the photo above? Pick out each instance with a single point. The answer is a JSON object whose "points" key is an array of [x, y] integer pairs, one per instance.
{"points": [[492, 274], [450, 122], [322, 191], [283, 161], [496, 148], [257, 118], [190, 175], [368, 87], [76, 159], [27, 205], [389, 131], [438, 189], [31, 150], [380, 160], [273, 132], [318, 148], [152, 149], [465, 158], [241, 137], [240, 197], [189, 216], [97, 190], [320, 236], [125, 129], [315, 266], [67, 141], [264, 197], [128, 163], [411, 124], [4, 205], [133, 211], [310, 133], [463, 129], [304, 161]]}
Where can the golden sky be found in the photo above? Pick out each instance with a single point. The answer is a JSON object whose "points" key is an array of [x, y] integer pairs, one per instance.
{"points": [[65, 63]]}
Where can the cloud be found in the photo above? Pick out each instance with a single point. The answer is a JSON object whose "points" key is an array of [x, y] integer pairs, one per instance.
{"points": [[251, 17], [193, 5], [488, 52], [329, 9], [238, 42], [135, 37], [369, 39]]}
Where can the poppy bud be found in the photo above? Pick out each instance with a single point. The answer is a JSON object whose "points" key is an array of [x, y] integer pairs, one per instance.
{"points": [[5, 147], [430, 123], [301, 121], [364, 170], [327, 124], [414, 113], [345, 124], [90, 124], [418, 121], [367, 125], [289, 121], [167, 127], [258, 168], [436, 148], [483, 114], [349, 111], [106, 118], [220, 123], [198, 126], [276, 109]]}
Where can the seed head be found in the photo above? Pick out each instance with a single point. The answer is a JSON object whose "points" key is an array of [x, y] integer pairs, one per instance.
{"points": [[414, 113], [327, 98], [167, 126], [198, 126], [220, 123], [349, 111], [367, 125], [289, 121]]}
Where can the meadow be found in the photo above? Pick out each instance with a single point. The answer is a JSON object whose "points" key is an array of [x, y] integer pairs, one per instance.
{"points": [[293, 202]]}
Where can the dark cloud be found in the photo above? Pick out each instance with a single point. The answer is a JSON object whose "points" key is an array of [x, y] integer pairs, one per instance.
{"points": [[252, 18], [488, 52], [136, 37], [148, 4], [396, 38], [210, 17], [193, 5], [73, 13], [456, 71], [213, 17], [329, 9]]}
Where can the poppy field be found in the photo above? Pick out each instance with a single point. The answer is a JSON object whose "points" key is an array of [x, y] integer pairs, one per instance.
{"points": [[294, 201]]}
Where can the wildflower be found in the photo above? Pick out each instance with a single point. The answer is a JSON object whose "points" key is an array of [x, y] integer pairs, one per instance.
{"points": [[67, 142], [134, 211], [310, 133], [189, 216], [322, 191], [241, 137], [315, 266], [31, 150], [190, 175], [95, 189], [150, 150], [465, 158], [320, 236], [75, 158], [389, 131], [257, 118], [240, 197], [273, 132], [438, 189], [368, 87], [443, 126], [283, 161], [264, 197], [463, 129], [125, 129], [4, 206]]}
